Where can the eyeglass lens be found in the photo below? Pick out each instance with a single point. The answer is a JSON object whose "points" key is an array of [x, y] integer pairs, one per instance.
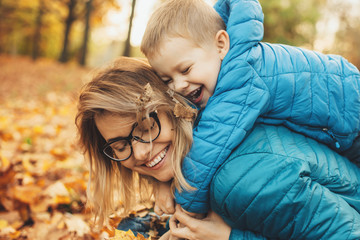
{"points": [[145, 131]]}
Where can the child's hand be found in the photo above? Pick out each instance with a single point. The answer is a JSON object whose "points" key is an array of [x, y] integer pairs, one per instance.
{"points": [[211, 227], [164, 200]]}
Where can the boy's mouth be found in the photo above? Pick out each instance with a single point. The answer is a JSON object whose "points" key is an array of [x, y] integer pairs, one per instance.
{"points": [[196, 95]]}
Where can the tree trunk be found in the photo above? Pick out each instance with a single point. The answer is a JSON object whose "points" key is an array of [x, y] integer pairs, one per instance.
{"points": [[68, 24], [84, 47], [127, 42], [37, 34], [1, 28]]}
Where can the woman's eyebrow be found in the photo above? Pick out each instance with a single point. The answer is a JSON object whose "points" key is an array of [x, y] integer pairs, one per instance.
{"points": [[115, 138], [121, 137]]}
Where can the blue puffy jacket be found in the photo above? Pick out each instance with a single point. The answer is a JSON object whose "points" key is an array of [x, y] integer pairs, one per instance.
{"points": [[283, 185], [309, 92]]}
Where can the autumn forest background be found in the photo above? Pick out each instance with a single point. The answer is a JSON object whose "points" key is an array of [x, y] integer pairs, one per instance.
{"points": [[49, 49]]}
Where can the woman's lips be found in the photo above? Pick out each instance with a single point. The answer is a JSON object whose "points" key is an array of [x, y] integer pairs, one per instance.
{"points": [[156, 160]]}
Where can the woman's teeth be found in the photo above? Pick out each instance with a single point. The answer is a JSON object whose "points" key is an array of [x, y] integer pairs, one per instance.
{"points": [[157, 159]]}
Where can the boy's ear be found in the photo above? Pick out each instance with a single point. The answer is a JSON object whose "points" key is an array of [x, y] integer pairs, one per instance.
{"points": [[222, 42]]}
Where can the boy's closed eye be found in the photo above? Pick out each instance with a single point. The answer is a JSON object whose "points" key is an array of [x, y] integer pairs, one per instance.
{"points": [[166, 80], [186, 70]]}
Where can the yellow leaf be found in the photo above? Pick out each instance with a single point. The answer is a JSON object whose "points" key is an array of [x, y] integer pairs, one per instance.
{"points": [[128, 235], [3, 224], [4, 122], [119, 234], [38, 130], [4, 163], [62, 200], [15, 235]]}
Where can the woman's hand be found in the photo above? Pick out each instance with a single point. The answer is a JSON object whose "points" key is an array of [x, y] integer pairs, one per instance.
{"points": [[164, 200], [211, 227]]}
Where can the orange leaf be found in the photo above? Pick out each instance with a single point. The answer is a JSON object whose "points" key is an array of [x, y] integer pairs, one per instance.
{"points": [[27, 194], [59, 153]]}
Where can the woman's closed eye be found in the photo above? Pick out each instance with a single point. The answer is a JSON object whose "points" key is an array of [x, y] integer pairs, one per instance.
{"points": [[120, 147]]}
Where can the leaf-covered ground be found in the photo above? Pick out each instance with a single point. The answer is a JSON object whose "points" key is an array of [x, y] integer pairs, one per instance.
{"points": [[43, 175]]}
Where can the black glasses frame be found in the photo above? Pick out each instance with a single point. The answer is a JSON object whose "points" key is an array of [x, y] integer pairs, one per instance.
{"points": [[130, 138]]}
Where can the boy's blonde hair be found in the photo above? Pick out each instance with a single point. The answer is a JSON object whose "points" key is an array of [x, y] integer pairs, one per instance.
{"points": [[116, 90], [191, 19]]}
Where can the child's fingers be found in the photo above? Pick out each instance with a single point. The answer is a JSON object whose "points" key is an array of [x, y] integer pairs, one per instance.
{"points": [[188, 227], [184, 219], [178, 230]]}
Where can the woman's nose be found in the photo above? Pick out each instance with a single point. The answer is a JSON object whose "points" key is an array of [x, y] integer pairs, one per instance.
{"points": [[141, 150]]}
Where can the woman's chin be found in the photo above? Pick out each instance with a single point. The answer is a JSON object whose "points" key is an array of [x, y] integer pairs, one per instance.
{"points": [[166, 178]]}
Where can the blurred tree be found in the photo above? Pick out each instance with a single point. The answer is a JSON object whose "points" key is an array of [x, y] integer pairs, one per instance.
{"points": [[16, 26], [127, 47], [291, 22], [38, 26], [84, 47], [95, 10], [347, 37], [71, 17], [34, 28]]}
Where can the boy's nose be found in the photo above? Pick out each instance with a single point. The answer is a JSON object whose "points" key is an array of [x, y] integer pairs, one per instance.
{"points": [[180, 84], [141, 150]]}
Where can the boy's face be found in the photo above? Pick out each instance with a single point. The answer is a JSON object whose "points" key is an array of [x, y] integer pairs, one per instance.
{"points": [[188, 69]]}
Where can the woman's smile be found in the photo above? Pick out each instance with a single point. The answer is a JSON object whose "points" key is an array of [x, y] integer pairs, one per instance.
{"points": [[155, 162]]}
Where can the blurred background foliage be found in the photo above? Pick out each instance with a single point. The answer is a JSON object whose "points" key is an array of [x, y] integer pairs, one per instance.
{"points": [[91, 32]]}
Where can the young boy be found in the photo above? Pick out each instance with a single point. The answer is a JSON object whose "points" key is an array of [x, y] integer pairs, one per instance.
{"points": [[241, 81]]}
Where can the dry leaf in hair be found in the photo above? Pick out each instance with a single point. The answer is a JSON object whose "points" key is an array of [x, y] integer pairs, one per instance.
{"points": [[185, 112], [145, 97]]}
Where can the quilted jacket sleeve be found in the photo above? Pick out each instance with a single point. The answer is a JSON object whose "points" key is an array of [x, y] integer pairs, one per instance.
{"points": [[282, 185], [223, 124]]}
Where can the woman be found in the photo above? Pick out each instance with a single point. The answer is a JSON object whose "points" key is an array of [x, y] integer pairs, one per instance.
{"points": [[114, 103], [276, 184]]}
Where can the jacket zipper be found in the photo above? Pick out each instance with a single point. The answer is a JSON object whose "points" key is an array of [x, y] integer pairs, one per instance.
{"points": [[337, 144]]}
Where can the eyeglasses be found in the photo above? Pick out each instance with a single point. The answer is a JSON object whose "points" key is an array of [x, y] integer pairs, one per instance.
{"points": [[146, 131]]}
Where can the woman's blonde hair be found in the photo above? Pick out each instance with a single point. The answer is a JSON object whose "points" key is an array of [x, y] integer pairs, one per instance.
{"points": [[116, 90], [191, 19]]}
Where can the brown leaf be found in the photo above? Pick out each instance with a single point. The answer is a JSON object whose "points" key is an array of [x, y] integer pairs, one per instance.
{"points": [[7, 176]]}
